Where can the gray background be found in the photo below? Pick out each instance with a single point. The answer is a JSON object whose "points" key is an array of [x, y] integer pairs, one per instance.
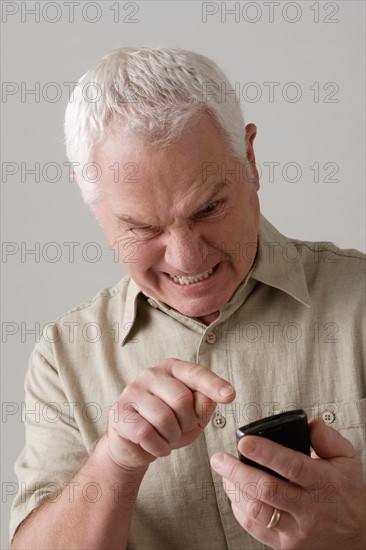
{"points": [[316, 46]]}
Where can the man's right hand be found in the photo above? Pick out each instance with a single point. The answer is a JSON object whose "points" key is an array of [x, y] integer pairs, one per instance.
{"points": [[165, 408]]}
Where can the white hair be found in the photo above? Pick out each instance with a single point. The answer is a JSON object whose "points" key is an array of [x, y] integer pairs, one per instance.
{"points": [[152, 93]]}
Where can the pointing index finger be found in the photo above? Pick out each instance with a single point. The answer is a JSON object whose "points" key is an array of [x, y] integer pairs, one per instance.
{"points": [[200, 378]]}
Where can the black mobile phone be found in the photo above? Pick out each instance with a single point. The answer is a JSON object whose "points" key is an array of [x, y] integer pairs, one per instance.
{"points": [[289, 428]]}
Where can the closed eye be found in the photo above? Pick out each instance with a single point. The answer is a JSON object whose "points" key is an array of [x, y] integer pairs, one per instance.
{"points": [[209, 208], [144, 231]]}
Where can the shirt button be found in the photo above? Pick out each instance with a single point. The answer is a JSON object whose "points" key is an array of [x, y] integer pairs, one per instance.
{"points": [[328, 417], [219, 421], [210, 337], [152, 303]]}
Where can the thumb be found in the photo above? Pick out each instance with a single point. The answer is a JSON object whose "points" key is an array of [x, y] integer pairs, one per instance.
{"points": [[327, 442]]}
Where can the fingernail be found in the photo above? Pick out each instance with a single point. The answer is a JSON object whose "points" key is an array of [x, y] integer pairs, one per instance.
{"points": [[226, 390]]}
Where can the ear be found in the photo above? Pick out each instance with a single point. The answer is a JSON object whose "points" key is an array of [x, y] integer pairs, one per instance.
{"points": [[250, 133]]}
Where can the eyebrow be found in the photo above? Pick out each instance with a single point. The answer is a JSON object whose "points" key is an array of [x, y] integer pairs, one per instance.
{"points": [[216, 189]]}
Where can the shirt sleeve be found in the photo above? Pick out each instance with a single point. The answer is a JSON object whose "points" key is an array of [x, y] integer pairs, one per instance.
{"points": [[54, 450]]}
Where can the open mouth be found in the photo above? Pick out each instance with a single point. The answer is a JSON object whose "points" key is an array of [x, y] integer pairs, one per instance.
{"points": [[191, 279]]}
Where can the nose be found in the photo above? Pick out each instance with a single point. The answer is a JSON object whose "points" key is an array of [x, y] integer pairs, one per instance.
{"points": [[184, 252]]}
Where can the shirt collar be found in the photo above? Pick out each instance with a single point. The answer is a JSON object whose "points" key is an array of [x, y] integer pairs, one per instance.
{"points": [[278, 264], [130, 311]]}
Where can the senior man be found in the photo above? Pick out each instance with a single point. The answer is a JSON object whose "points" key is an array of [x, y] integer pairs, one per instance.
{"points": [[221, 320]]}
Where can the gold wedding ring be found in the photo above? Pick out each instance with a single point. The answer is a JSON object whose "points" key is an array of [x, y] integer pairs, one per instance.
{"points": [[276, 516]]}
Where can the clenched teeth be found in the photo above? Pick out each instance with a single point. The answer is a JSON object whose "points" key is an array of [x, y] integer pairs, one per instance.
{"points": [[191, 278]]}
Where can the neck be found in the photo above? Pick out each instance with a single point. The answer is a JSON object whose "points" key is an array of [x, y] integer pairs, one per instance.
{"points": [[208, 319]]}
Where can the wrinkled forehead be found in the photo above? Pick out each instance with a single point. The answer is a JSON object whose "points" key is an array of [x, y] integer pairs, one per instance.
{"points": [[160, 186], [188, 165]]}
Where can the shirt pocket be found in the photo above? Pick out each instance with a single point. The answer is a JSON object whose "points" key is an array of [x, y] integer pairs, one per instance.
{"points": [[348, 418]]}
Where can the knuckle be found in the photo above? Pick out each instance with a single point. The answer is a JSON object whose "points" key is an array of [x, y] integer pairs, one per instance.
{"points": [[269, 490], [124, 411], [147, 376], [247, 523], [204, 407], [193, 371], [183, 400], [168, 363], [234, 471], [302, 536], [294, 468], [165, 419], [143, 433], [129, 390], [255, 509]]}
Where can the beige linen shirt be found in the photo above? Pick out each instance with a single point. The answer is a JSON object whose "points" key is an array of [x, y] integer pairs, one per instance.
{"points": [[292, 336]]}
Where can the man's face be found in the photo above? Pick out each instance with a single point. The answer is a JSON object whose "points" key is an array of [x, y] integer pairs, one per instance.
{"points": [[183, 219]]}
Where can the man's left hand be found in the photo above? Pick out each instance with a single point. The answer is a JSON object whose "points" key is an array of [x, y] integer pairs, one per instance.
{"points": [[323, 503]]}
